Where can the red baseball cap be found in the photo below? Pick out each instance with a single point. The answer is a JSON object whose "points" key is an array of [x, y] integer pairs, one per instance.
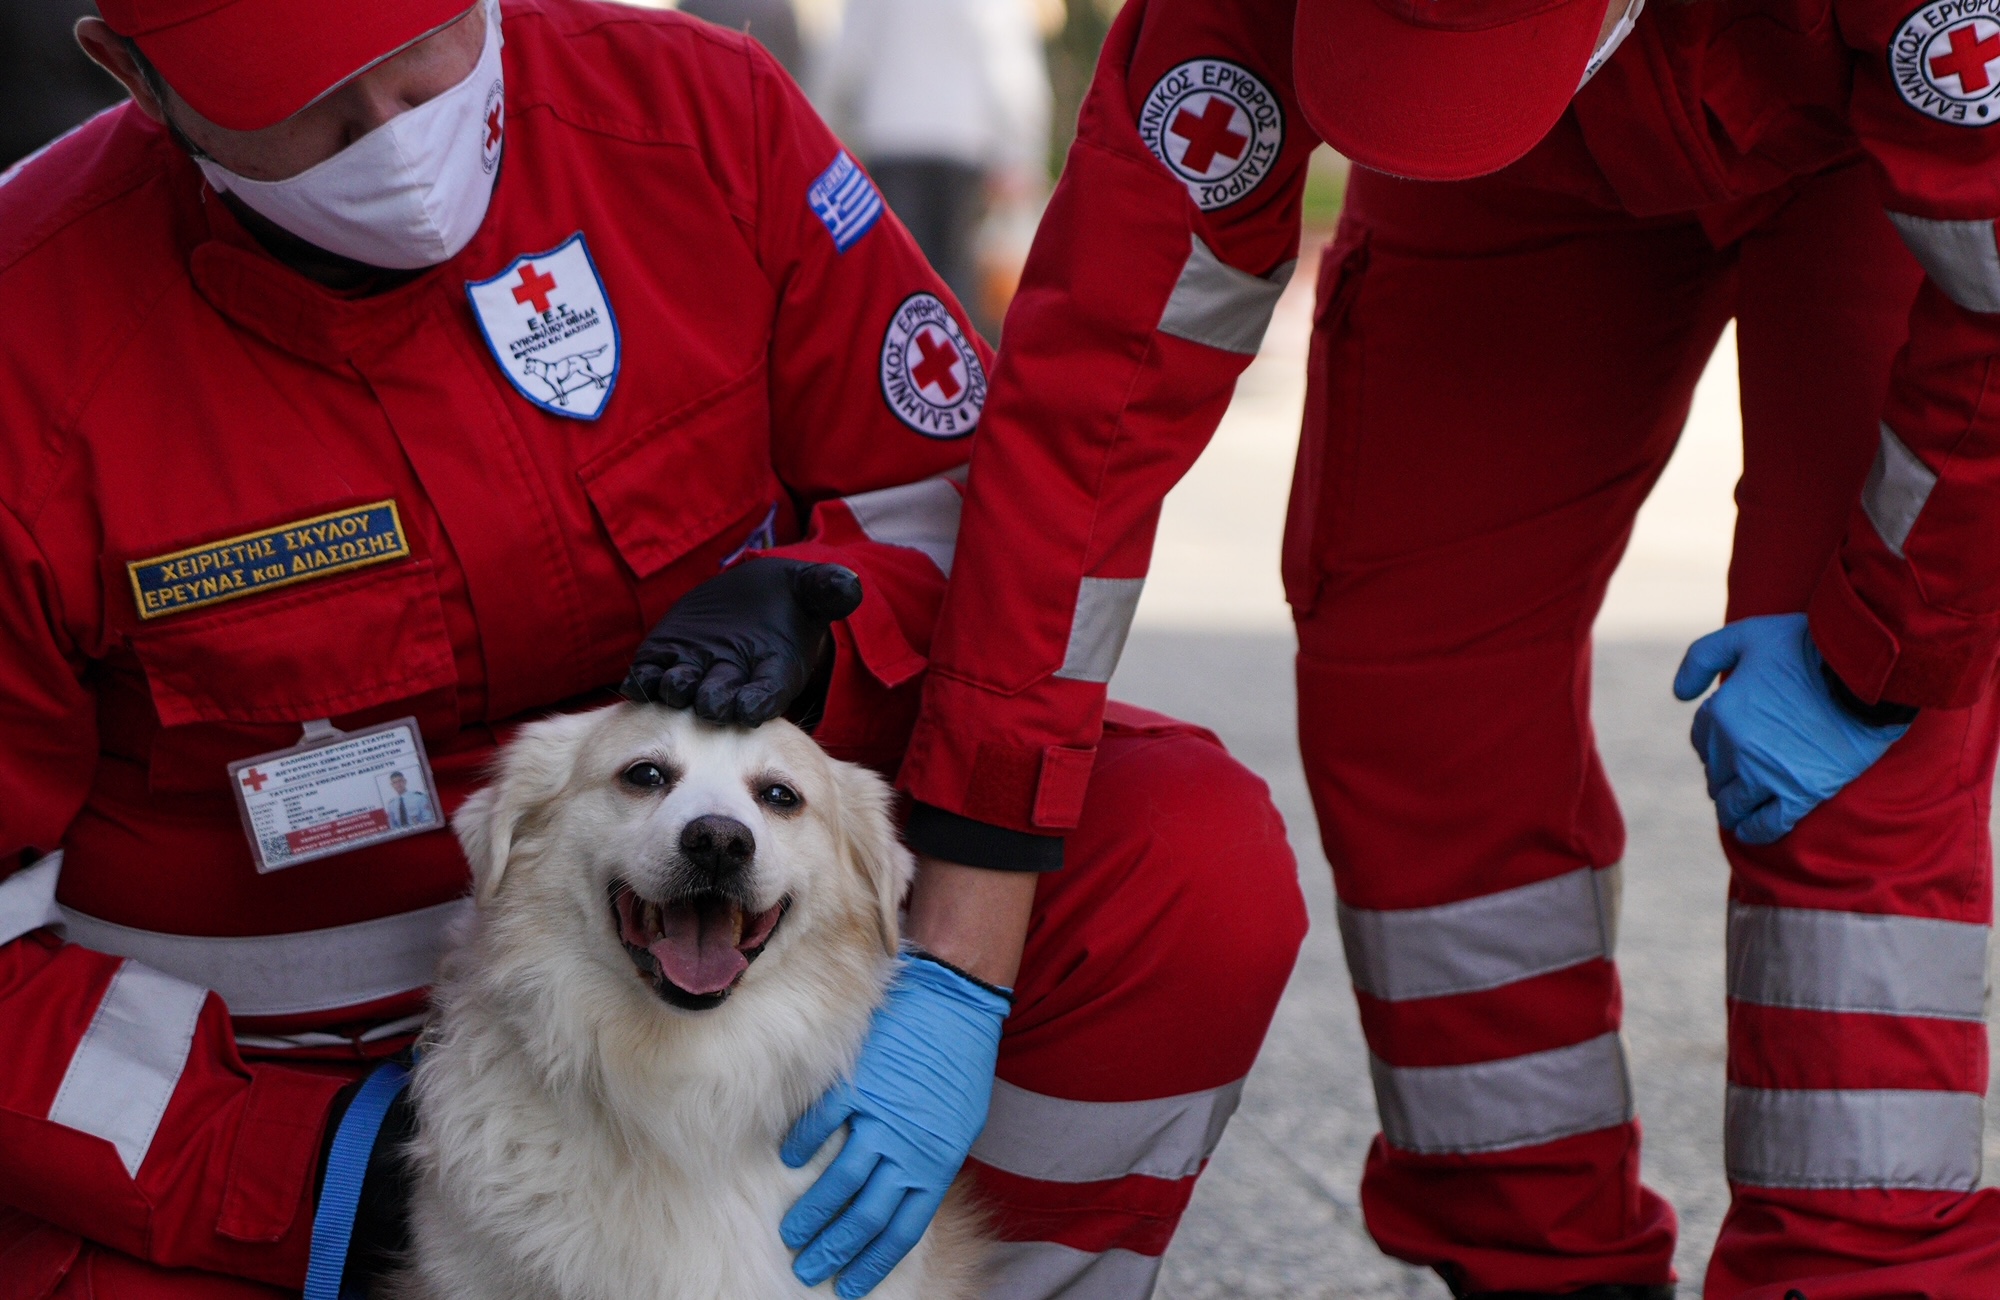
{"points": [[249, 64], [1440, 89]]}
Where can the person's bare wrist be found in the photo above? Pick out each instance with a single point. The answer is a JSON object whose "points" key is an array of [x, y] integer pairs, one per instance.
{"points": [[973, 918]]}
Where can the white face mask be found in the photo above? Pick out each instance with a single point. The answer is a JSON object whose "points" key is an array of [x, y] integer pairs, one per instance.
{"points": [[412, 192], [1609, 46]]}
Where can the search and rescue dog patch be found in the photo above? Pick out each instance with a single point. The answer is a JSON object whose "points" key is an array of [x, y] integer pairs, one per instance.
{"points": [[550, 327], [1216, 126], [1945, 60], [240, 566], [931, 376]]}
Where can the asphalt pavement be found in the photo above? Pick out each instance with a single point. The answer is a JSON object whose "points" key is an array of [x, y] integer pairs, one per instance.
{"points": [[1276, 1214]]}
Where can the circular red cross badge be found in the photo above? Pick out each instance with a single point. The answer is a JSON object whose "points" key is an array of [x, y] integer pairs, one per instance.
{"points": [[1216, 126], [1945, 60], [931, 376]]}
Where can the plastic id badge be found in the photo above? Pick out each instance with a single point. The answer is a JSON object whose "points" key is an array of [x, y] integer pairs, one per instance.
{"points": [[334, 792]]}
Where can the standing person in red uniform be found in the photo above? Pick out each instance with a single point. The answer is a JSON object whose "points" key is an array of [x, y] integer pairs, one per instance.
{"points": [[1556, 209], [376, 384]]}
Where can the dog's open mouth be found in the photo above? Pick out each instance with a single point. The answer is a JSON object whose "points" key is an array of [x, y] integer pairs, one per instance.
{"points": [[692, 949]]}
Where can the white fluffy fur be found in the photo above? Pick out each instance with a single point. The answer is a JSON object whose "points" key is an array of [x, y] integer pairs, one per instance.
{"points": [[579, 1139]]}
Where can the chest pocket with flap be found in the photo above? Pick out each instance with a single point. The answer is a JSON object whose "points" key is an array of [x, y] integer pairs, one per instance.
{"points": [[229, 681], [681, 480]]}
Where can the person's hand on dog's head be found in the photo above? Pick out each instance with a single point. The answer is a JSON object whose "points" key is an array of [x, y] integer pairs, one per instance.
{"points": [[743, 647]]}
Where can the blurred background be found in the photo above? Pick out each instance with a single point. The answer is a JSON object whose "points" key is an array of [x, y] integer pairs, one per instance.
{"points": [[962, 109]]}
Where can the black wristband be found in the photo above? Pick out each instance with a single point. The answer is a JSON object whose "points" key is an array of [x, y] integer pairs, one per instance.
{"points": [[940, 834], [911, 950], [1882, 713]]}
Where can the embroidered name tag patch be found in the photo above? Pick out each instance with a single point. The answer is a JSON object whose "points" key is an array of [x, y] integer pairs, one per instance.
{"points": [[845, 201], [551, 329], [235, 567]]}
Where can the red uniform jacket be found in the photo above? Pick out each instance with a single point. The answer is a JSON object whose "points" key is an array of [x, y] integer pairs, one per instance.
{"points": [[784, 369], [1171, 234]]}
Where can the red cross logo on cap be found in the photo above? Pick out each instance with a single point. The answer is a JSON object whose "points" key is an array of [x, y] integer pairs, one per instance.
{"points": [[935, 370], [1968, 58], [255, 780], [534, 287], [1209, 134]]}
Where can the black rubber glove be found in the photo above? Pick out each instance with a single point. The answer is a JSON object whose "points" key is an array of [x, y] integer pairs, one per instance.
{"points": [[742, 646]]}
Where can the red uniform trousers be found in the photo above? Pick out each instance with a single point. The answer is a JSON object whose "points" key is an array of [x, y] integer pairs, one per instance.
{"points": [[1498, 376], [1154, 962]]}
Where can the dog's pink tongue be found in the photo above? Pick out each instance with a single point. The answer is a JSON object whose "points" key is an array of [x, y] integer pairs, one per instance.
{"points": [[697, 948]]}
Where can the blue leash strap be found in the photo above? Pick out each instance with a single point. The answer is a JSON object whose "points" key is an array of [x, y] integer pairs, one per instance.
{"points": [[346, 1166]]}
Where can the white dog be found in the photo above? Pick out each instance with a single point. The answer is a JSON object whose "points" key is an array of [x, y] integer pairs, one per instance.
{"points": [[681, 933]]}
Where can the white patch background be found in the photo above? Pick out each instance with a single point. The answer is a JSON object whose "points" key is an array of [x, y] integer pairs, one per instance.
{"points": [[1217, 126], [551, 329], [1945, 61], [931, 376]]}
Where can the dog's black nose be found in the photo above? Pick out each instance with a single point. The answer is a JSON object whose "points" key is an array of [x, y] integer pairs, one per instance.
{"points": [[718, 846]]}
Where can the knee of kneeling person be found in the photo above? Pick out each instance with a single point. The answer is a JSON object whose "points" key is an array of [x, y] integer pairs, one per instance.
{"points": [[1214, 844]]}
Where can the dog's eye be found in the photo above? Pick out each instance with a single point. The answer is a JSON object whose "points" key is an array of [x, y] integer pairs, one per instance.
{"points": [[649, 776], [779, 795]]}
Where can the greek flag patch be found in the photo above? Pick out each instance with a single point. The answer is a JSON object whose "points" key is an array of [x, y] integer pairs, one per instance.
{"points": [[846, 202]]}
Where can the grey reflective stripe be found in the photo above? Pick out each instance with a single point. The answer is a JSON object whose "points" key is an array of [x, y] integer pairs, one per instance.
{"points": [[1043, 1270], [1216, 304], [286, 974], [1061, 1141], [1482, 943], [28, 899], [1104, 609], [1497, 1105], [1961, 257], [1856, 961], [1858, 1138], [1897, 487], [128, 1062], [922, 516]]}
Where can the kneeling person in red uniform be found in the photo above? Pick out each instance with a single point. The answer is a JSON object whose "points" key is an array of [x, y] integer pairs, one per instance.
{"points": [[394, 372]]}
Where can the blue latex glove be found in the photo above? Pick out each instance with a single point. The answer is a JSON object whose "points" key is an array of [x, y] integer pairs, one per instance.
{"points": [[1775, 740], [917, 1100]]}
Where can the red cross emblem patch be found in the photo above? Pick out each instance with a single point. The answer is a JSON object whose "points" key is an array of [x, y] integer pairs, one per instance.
{"points": [[1945, 60], [931, 375], [1216, 126], [551, 329]]}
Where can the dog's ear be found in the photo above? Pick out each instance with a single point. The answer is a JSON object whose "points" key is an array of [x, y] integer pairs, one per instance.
{"points": [[868, 832], [532, 771]]}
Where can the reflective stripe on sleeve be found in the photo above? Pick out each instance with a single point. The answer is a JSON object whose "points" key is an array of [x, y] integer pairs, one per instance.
{"points": [[1216, 304], [1097, 631], [1044, 1270], [1897, 487], [288, 974], [1853, 1138], [1499, 1105], [126, 1066], [1854, 961], [1961, 257], [1061, 1141], [922, 516], [1485, 942], [28, 899]]}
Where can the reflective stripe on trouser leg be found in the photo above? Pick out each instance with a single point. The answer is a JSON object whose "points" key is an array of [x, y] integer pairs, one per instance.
{"points": [[1483, 943], [1044, 1270], [1854, 1138]]}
